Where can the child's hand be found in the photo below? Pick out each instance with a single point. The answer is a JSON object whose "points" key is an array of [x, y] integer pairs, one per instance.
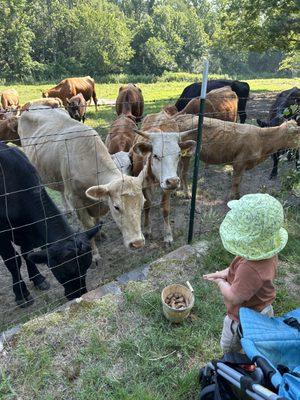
{"points": [[216, 275]]}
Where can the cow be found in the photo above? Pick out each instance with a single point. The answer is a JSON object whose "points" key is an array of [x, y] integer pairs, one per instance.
{"points": [[241, 145], [71, 158], [276, 117], [159, 149], [130, 102], [10, 99], [77, 107], [53, 102], [121, 135], [30, 219], [69, 87], [9, 131], [123, 162], [220, 103], [242, 90]]}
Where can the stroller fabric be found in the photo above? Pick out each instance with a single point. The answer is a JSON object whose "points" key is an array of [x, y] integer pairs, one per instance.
{"points": [[278, 343]]}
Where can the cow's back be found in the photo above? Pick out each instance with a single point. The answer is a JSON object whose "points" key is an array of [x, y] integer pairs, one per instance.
{"points": [[66, 153]]}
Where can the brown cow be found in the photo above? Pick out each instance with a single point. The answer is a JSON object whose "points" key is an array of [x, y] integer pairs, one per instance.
{"points": [[130, 102], [77, 107], [69, 87], [42, 104], [220, 103], [9, 131], [10, 99], [121, 135]]}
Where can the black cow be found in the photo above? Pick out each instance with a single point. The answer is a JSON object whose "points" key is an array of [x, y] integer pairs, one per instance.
{"points": [[30, 219], [283, 102], [241, 89]]}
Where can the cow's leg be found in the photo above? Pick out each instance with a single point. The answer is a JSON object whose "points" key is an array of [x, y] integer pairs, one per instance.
{"points": [[95, 99], [83, 118], [165, 207], [236, 181], [13, 263], [183, 172], [147, 207], [34, 274], [274, 171]]}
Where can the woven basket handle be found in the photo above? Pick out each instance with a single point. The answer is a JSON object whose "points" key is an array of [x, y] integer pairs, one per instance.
{"points": [[189, 286]]}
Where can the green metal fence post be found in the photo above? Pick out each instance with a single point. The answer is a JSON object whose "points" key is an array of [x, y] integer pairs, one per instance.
{"points": [[198, 149]]}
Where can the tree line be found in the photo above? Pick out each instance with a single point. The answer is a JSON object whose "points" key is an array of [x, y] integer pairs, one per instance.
{"points": [[48, 39]]}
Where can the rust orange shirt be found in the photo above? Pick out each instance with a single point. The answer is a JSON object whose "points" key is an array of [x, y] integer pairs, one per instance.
{"points": [[252, 281]]}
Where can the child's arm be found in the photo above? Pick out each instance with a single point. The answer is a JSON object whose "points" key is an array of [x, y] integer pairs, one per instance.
{"points": [[215, 275], [229, 296]]}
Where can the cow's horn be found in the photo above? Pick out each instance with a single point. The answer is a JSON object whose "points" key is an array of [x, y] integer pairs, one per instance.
{"points": [[186, 134]]}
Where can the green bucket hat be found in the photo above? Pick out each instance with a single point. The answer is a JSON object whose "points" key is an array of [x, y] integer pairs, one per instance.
{"points": [[253, 227]]}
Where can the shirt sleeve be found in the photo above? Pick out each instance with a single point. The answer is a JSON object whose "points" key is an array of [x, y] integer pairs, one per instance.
{"points": [[246, 282]]}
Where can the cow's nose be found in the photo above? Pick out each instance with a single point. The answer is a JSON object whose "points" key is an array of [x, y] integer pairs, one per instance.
{"points": [[137, 244], [172, 183]]}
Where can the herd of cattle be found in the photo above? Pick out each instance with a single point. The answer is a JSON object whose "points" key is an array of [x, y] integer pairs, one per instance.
{"points": [[59, 151]]}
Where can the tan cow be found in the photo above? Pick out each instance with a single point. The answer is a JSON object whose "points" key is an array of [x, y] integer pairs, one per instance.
{"points": [[121, 135], [42, 103], [71, 158], [130, 102], [242, 145], [9, 131], [69, 87], [10, 99]]}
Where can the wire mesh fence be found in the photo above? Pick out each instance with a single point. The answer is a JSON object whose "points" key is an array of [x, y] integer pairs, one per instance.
{"points": [[70, 158]]}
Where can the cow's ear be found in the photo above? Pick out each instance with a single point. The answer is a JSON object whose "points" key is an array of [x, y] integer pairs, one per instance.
{"points": [[187, 148], [142, 148], [121, 88], [97, 192], [38, 257]]}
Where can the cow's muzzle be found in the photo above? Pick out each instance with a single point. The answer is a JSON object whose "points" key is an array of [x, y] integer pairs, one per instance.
{"points": [[137, 244], [171, 183]]}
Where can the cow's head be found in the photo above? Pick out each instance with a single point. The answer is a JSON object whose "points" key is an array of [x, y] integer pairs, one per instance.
{"points": [[125, 199], [73, 107], [69, 260], [165, 149]]}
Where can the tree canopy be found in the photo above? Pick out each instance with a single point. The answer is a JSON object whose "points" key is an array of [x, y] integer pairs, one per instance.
{"points": [[46, 39]]}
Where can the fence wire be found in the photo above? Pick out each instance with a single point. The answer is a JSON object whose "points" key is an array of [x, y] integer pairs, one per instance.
{"points": [[115, 259]]}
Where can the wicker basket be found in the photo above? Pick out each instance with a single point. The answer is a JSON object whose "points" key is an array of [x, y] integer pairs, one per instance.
{"points": [[173, 314]]}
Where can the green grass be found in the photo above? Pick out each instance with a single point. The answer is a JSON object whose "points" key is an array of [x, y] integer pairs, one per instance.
{"points": [[125, 349]]}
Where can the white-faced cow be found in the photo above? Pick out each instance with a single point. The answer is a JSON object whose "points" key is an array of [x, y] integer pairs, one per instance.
{"points": [[160, 151]]}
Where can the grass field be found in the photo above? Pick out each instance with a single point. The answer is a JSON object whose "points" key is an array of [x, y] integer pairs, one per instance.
{"points": [[155, 95]]}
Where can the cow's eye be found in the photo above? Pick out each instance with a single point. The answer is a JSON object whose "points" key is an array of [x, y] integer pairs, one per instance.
{"points": [[117, 208], [155, 156]]}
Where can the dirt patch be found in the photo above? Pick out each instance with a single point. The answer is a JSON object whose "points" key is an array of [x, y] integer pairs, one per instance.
{"points": [[214, 187]]}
